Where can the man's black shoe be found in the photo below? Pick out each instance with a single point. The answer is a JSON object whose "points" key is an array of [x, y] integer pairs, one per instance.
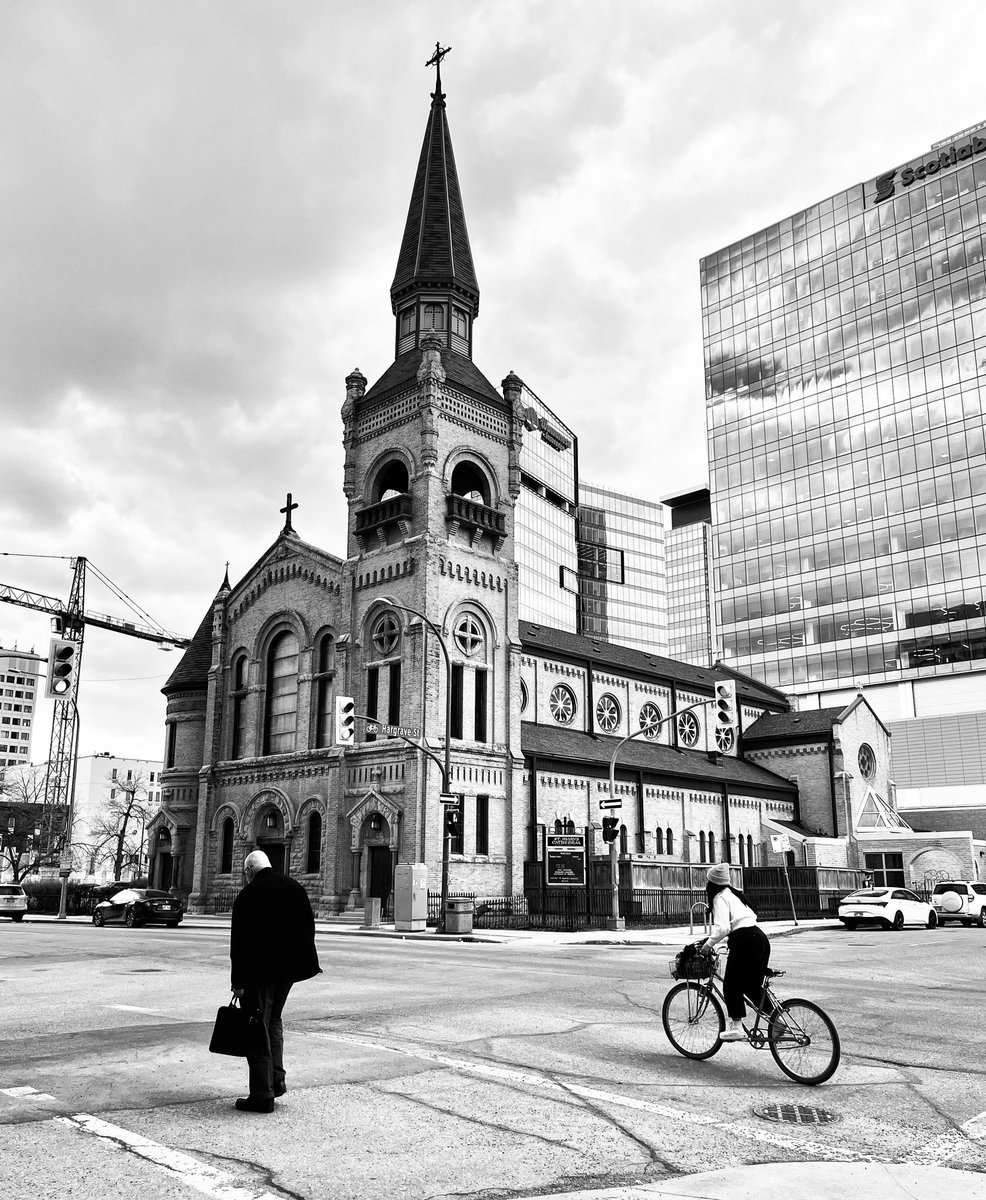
{"points": [[280, 1089], [254, 1104]]}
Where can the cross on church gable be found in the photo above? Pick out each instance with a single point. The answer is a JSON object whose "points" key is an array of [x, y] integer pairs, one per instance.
{"points": [[287, 510]]}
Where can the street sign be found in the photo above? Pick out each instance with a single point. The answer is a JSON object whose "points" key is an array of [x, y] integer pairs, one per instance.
{"points": [[614, 803], [780, 843], [408, 731], [449, 797]]}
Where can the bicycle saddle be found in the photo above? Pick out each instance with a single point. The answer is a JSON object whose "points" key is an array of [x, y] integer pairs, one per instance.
{"points": [[770, 973]]}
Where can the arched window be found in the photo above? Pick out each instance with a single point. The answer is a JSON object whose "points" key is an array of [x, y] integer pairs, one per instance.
{"points": [[392, 481], [749, 849], [238, 694], [701, 846], [226, 848], [742, 850], [281, 718], [313, 845], [407, 321], [324, 675], [434, 317], [469, 481], [712, 847], [669, 841], [659, 841], [460, 323]]}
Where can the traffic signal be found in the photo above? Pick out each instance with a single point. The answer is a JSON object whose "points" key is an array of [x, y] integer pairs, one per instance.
{"points": [[453, 819], [345, 720], [724, 721], [611, 829], [63, 663]]}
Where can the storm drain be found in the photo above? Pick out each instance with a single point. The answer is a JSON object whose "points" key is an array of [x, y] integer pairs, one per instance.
{"points": [[796, 1114]]}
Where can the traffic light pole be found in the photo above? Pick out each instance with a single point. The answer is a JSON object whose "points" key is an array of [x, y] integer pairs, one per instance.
{"points": [[65, 866], [614, 920]]}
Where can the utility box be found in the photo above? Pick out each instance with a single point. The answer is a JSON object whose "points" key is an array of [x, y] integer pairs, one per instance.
{"points": [[411, 897], [458, 916]]}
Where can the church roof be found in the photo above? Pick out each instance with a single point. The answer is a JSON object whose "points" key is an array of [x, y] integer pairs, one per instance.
{"points": [[461, 372], [192, 671], [604, 654], [435, 248], [694, 766]]}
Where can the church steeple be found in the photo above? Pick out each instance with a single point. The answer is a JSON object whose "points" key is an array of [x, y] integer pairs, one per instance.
{"points": [[435, 289]]}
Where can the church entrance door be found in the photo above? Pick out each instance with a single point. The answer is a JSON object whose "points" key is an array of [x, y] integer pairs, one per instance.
{"points": [[166, 867], [381, 870], [275, 852]]}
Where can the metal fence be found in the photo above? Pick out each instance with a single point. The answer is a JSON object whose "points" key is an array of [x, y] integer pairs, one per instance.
{"points": [[570, 910]]}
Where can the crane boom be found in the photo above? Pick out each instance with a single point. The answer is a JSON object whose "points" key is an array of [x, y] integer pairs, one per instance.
{"points": [[57, 608]]}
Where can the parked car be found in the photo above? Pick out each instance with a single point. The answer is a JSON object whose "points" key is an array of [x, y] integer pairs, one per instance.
{"points": [[13, 901], [139, 906], [960, 900], [893, 908]]}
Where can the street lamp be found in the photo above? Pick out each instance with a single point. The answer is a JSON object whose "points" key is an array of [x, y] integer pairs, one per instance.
{"points": [[446, 768]]}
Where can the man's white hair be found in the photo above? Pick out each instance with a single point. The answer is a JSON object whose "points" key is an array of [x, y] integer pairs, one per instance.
{"points": [[256, 861]]}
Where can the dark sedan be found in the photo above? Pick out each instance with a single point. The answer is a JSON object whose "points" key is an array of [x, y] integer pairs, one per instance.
{"points": [[139, 906]]}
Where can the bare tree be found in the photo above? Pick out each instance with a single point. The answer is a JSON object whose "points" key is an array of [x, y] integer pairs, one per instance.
{"points": [[21, 804], [117, 834]]}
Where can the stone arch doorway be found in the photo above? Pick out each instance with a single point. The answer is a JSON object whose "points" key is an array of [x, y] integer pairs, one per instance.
{"points": [[164, 861], [269, 836], [379, 881], [375, 823]]}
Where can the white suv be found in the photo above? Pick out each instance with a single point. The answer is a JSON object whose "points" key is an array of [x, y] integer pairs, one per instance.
{"points": [[13, 901], [960, 900]]}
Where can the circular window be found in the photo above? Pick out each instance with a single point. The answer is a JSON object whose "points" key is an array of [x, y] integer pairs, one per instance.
{"points": [[688, 729], [608, 713], [724, 739], [468, 635], [386, 634], [867, 761], [562, 704], [523, 696], [650, 720]]}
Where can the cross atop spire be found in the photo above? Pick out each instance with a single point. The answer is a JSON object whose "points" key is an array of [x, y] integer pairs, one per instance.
{"points": [[287, 510], [436, 62]]}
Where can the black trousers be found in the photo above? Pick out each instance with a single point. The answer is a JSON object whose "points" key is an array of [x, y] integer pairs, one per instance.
{"points": [[267, 1070], [749, 954]]}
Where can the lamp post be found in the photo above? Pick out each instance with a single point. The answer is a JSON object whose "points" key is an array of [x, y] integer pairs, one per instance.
{"points": [[64, 870], [446, 768]]}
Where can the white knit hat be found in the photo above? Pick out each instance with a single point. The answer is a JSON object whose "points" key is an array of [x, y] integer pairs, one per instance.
{"points": [[719, 873]]}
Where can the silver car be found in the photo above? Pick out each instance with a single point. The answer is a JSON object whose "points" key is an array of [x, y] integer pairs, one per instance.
{"points": [[13, 901]]}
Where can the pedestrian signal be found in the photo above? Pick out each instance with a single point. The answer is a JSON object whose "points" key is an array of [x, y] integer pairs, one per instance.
{"points": [[611, 829], [725, 720], [63, 662], [345, 720], [453, 819]]}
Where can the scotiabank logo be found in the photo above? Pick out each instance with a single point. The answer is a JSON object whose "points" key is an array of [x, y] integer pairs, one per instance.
{"points": [[883, 185]]}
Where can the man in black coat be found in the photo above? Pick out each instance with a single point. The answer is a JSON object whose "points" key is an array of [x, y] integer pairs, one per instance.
{"points": [[271, 946]]}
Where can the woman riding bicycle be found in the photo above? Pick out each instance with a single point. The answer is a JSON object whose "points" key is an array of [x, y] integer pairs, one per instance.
{"points": [[749, 947]]}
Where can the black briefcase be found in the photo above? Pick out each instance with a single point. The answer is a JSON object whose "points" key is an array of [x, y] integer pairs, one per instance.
{"points": [[238, 1032]]}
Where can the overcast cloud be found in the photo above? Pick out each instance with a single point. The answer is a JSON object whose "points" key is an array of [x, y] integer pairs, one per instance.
{"points": [[201, 203]]}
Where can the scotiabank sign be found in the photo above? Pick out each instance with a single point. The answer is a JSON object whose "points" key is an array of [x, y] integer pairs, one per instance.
{"points": [[885, 186]]}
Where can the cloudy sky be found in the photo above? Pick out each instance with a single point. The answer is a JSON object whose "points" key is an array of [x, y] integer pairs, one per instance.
{"points": [[202, 203]]}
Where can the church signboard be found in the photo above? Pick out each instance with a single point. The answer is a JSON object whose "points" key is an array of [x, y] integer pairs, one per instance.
{"points": [[564, 858]]}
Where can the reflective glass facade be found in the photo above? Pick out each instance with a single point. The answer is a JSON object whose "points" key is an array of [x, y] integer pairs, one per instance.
{"points": [[622, 578], [545, 520], [845, 353], [690, 594]]}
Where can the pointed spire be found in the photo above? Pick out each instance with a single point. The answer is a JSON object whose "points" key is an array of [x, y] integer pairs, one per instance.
{"points": [[435, 252]]}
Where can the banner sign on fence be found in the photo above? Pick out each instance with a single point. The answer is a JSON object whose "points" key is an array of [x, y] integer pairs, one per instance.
{"points": [[564, 859]]}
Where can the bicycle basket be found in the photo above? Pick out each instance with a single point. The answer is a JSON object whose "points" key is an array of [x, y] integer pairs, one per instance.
{"points": [[689, 964]]}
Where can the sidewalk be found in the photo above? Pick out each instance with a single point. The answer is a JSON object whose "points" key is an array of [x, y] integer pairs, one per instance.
{"points": [[352, 926]]}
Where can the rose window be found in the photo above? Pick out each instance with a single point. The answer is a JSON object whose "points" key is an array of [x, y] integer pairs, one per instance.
{"points": [[650, 720], [688, 729], [867, 761], [468, 635], [725, 738], [562, 704], [386, 634], [608, 713]]}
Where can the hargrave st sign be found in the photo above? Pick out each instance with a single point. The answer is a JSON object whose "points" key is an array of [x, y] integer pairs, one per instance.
{"points": [[918, 170]]}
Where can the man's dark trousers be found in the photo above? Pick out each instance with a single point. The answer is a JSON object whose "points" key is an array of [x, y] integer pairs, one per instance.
{"points": [[267, 1072]]}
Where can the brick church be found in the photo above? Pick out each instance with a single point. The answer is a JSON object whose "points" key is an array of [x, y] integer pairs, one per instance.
{"points": [[531, 714]]}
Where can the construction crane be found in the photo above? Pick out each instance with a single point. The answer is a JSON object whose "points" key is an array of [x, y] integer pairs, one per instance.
{"points": [[68, 622]]}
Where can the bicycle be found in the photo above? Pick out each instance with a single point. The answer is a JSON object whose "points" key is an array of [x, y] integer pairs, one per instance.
{"points": [[802, 1038]]}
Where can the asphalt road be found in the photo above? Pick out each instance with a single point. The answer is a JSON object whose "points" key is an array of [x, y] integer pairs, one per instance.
{"points": [[432, 1069]]}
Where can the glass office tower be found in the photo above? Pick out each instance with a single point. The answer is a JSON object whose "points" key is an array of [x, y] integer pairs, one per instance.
{"points": [[689, 565], [845, 355], [622, 576]]}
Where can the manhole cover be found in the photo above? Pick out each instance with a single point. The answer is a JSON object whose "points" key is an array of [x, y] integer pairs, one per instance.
{"points": [[796, 1114]]}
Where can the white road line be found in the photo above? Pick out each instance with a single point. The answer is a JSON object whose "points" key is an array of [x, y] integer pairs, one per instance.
{"points": [[819, 1149], [19, 1093], [133, 1008], [208, 1180]]}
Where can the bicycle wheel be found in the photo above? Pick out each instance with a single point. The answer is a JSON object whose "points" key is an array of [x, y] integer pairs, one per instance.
{"points": [[804, 1042], [693, 1020]]}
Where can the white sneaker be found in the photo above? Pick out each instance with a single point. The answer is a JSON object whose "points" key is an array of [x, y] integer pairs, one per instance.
{"points": [[734, 1032]]}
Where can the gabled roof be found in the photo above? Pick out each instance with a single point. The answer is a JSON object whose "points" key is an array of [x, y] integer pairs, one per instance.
{"points": [[814, 723], [460, 372], [691, 766], [435, 248], [609, 655]]}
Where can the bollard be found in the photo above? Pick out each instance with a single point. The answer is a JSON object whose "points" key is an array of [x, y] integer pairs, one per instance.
{"points": [[371, 912]]}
